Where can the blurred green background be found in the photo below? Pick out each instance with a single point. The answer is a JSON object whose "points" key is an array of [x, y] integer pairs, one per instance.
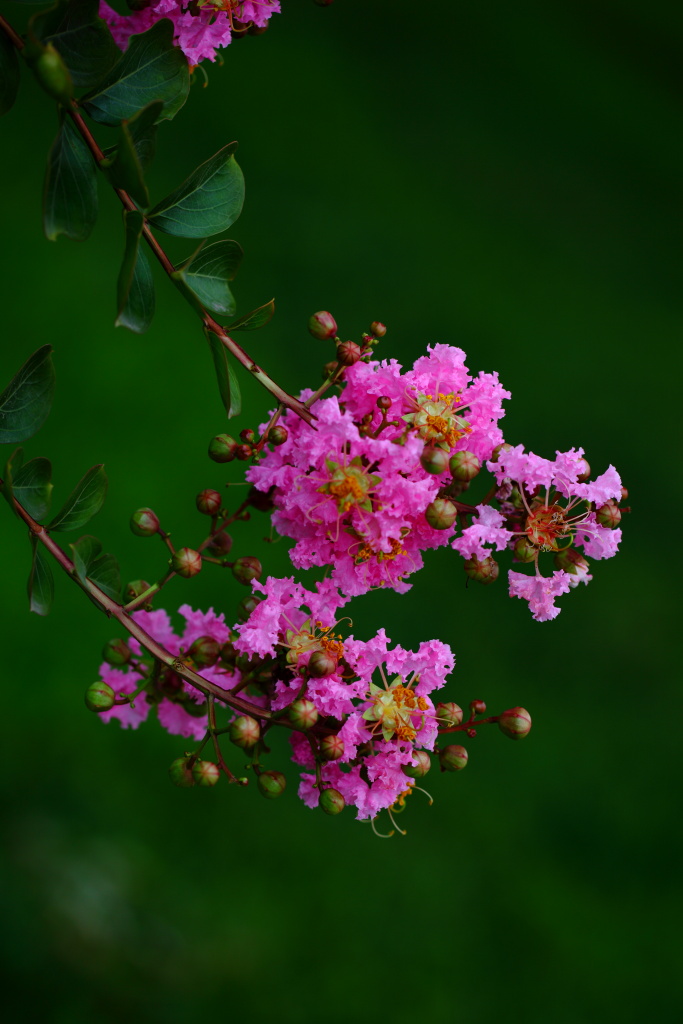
{"points": [[504, 177]]}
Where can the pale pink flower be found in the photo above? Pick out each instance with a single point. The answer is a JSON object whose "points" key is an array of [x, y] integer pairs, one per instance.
{"points": [[540, 592], [487, 529]]}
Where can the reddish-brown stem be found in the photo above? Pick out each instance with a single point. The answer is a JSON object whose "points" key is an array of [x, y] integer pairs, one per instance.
{"points": [[466, 726], [209, 323]]}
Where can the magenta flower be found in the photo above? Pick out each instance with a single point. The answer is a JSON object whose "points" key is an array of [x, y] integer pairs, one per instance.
{"points": [[540, 592], [487, 529], [201, 27]]}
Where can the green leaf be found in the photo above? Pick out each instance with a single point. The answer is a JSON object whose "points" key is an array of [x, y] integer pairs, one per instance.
{"points": [[103, 570], [83, 503], [228, 385], [209, 201], [70, 197], [252, 321], [32, 487], [9, 74], [207, 273], [135, 286], [81, 37], [41, 585], [152, 68], [125, 169], [26, 401]]}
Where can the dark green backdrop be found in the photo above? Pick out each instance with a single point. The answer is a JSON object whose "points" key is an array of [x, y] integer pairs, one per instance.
{"points": [[500, 176]]}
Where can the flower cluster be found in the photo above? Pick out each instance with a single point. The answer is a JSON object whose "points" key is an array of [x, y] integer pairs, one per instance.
{"points": [[201, 27], [353, 492]]}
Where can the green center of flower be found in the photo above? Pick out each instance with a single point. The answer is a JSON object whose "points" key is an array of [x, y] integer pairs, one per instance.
{"points": [[349, 485], [393, 710], [436, 421]]}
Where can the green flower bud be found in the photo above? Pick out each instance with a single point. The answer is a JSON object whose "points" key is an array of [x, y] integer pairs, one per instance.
{"points": [[434, 460], [478, 707], [452, 758], [608, 515], [464, 466], [515, 723], [504, 447], [376, 328], [221, 544], [208, 502], [99, 697], [186, 562], [331, 801], [205, 651], [321, 664], [51, 71], [223, 448], [271, 784], [134, 589], [449, 713], [483, 572], [205, 773], [116, 652], [247, 569], [278, 434], [245, 732], [246, 607], [441, 514], [348, 353], [572, 561], [244, 452], [332, 747], [524, 551], [585, 473], [419, 770], [180, 774], [322, 326], [303, 714], [144, 522]]}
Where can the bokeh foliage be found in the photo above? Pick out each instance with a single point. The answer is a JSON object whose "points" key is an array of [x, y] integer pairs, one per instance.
{"points": [[502, 177]]}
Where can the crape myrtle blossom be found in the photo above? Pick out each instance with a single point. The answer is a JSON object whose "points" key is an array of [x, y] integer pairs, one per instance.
{"points": [[201, 27], [353, 493], [551, 524], [181, 709]]}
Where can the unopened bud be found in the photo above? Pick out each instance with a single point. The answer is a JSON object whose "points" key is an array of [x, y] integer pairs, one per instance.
{"points": [[608, 515], [262, 501], [134, 589], [116, 652], [220, 544], [322, 326], [247, 569], [144, 522], [572, 561], [223, 448], [244, 732], [419, 770], [186, 562], [478, 707], [483, 572], [376, 328], [204, 651], [449, 713], [99, 697], [504, 447], [248, 435], [271, 784], [303, 714], [322, 663], [348, 353], [584, 470], [624, 494], [331, 801], [452, 758], [524, 551], [51, 71], [332, 747], [441, 514], [180, 774], [205, 773], [464, 466], [208, 502], [246, 607], [278, 434], [434, 460], [329, 369], [228, 653], [384, 403], [244, 452], [515, 723]]}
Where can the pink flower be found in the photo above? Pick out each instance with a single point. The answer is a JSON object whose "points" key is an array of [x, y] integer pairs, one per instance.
{"points": [[200, 29], [487, 529], [540, 592]]}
